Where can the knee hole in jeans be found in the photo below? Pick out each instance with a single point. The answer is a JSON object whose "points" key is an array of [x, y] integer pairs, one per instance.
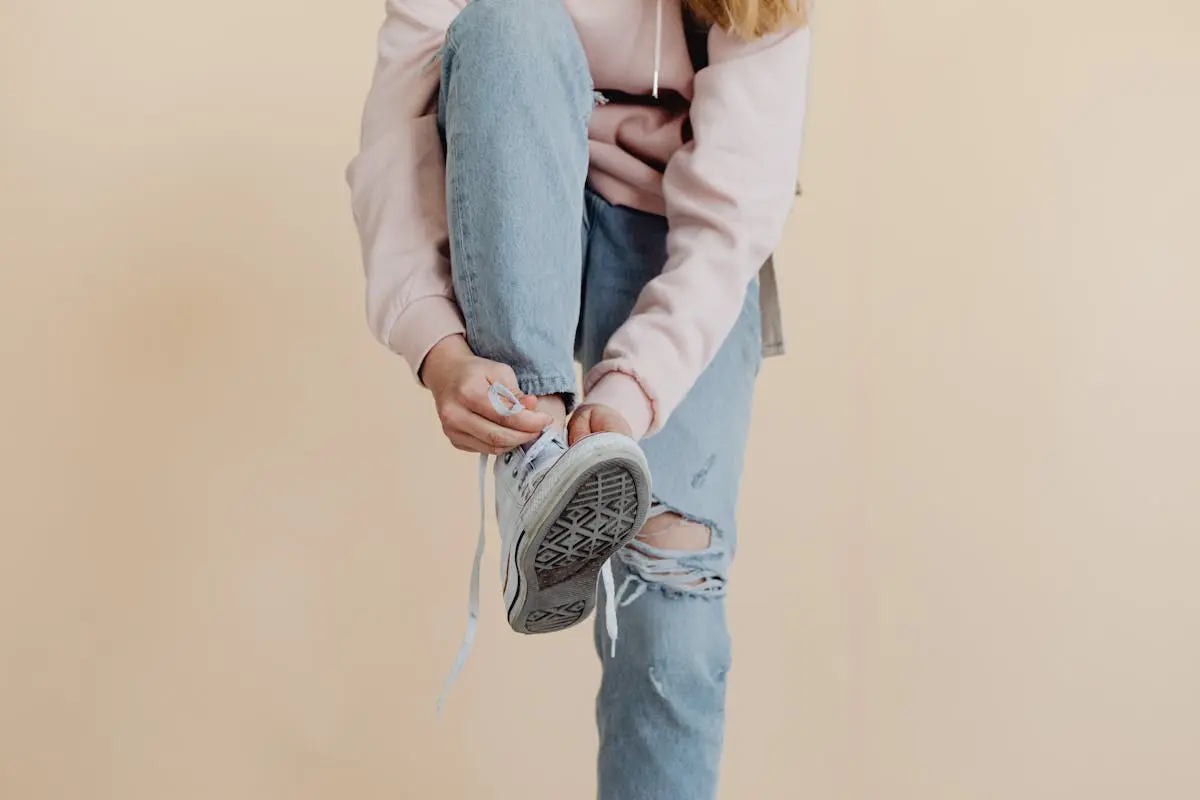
{"points": [[678, 555], [670, 531]]}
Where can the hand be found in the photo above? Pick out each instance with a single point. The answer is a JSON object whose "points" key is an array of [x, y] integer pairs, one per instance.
{"points": [[460, 381], [595, 418]]}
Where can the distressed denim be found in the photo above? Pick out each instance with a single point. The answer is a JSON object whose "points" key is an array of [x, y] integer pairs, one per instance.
{"points": [[545, 270]]}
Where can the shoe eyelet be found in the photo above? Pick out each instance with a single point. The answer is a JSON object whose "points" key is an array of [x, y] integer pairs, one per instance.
{"points": [[508, 457], [514, 473]]}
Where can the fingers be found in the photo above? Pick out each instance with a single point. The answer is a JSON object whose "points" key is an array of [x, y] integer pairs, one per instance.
{"points": [[473, 395], [469, 444], [529, 421], [494, 438], [470, 421]]}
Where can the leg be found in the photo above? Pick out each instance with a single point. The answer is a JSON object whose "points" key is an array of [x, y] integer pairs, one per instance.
{"points": [[661, 706], [515, 101]]}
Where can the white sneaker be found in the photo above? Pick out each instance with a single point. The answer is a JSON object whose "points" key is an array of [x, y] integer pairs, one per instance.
{"points": [[563, 513]]}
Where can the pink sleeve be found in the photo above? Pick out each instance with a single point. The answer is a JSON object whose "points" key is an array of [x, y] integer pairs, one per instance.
{"points": [[397, 184], [728, 194]]}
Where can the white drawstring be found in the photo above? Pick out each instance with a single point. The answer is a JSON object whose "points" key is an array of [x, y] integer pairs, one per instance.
{"points": [[658, 32]]}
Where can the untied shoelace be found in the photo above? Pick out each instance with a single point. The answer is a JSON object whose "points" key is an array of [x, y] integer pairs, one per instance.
{"points": [[507, 404]]}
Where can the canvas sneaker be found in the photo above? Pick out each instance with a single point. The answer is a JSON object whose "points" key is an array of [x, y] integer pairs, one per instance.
{"points": [[563, 512]]}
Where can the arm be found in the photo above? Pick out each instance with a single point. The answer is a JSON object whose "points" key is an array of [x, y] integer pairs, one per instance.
{"points": [[728, 193], [397, 185], [398, 189]]}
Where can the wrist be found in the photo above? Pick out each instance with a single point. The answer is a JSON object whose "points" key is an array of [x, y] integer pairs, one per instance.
{"points": [[449, 351], [624, 394]]}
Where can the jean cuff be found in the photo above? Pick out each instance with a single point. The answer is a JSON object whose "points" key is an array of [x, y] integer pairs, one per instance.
{"points": [[543, 385]]}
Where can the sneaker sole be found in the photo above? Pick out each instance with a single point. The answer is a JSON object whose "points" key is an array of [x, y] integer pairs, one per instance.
{"points": [[558, 562]]}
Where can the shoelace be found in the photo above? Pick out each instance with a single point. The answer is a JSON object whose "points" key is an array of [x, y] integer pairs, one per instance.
{"points": [[507, 404]]}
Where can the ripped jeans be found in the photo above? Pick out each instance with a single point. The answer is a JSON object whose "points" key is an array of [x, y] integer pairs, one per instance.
{"points": [[545, 270], [661, 706]]}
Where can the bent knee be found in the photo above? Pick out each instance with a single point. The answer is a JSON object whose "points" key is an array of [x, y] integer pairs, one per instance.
{"points": [[514, 27]]}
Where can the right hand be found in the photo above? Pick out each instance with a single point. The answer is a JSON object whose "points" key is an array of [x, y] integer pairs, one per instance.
{"points": [[460, 380]]}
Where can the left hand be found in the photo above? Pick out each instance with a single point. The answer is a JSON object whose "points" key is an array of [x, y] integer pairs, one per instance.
{"points": [[594, 418]]}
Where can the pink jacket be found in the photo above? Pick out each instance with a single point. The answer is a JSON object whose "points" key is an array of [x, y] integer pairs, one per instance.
{"points": [[726, 193]]}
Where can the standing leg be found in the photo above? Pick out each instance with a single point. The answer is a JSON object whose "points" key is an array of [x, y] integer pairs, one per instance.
{"points": [[516, 98], [661, 705]]}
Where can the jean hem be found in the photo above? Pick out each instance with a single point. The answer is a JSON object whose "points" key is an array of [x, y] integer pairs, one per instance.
{"points": [[542, 385]]}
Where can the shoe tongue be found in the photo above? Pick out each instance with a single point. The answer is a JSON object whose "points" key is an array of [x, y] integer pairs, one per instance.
{"points": [[548, 435], [544, 450]]}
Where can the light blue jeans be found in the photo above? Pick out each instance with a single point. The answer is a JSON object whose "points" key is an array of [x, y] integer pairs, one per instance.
{"points": [[545, 270]]}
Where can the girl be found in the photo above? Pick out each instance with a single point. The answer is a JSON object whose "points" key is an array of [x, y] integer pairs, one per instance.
{"points": [[542, 181]]}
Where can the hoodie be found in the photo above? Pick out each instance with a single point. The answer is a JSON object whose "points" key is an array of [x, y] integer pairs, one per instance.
{"points": [[727, 188]]}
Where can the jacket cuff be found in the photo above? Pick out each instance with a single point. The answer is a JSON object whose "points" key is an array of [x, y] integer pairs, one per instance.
{"points": [[623, 392], [422, 325]]}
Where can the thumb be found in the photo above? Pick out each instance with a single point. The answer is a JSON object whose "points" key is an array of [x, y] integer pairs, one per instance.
{"points": [[609, 420], [580, 425], [503, 374], [529, 401]]}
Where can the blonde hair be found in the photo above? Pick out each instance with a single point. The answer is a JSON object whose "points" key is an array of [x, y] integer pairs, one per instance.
{"points": [[751, 19]]}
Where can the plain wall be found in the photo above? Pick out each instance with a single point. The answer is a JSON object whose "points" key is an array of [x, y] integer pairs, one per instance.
{"points": [[234, 551]]}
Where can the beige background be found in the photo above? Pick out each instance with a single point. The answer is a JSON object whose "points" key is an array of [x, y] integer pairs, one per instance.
{"points": [[235, 553]]}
